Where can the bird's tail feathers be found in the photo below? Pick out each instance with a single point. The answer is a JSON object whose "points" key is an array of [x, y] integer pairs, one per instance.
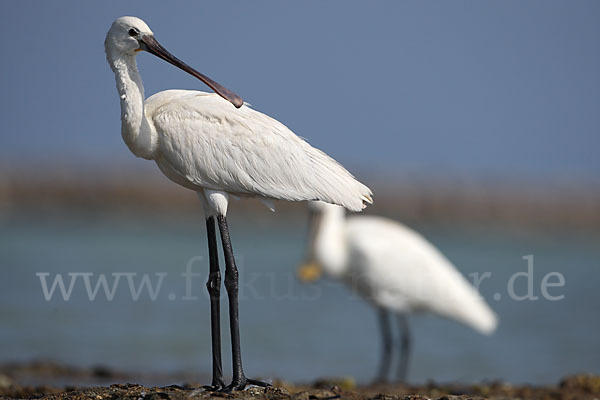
{"points": [[485, 321], [334, 184]]}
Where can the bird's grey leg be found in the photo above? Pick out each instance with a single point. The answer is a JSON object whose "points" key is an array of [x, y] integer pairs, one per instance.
{"points": [[405, 343], [214, 290], [239, 381], [386, 341]]}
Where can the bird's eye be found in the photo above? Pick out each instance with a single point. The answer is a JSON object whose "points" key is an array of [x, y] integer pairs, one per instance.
{"points": [[133, 32]]}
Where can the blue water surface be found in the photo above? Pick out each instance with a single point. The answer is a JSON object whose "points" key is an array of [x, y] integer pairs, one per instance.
{"points": [[289, 330]]}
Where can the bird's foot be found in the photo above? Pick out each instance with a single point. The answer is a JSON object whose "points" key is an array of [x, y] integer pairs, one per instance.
{"points": [[214, 387], [241, 384]]}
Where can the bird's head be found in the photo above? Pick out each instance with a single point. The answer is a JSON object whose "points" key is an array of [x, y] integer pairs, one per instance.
{"points": [[130, 35], [311, 269], [126, 35]]}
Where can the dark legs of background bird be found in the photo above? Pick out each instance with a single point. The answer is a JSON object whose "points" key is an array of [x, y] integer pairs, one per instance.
{"points": [[214, 290], [239, 381], [405, 341], [386, 342]]}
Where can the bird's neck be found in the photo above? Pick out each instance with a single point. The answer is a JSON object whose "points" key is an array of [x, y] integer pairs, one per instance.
{"points": [[134, 127], [330, 241]]}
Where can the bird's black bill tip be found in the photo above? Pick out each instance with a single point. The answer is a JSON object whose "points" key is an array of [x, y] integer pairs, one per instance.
{"points": [[151, 45]]}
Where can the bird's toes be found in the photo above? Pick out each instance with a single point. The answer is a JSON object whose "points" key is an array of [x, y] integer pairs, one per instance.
{"points": [[257, 383], [243, 384], [214, 387]]}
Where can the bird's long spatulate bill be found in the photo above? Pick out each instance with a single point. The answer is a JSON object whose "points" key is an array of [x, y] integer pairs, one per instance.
{"points": [[150, 45]]}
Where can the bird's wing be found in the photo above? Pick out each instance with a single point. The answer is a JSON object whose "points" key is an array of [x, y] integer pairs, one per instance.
{"points": [[213, 145], [406, 272]]}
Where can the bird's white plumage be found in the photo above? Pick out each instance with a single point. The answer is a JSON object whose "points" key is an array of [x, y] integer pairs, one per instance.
{"points": [[201, 141], [212, 145], [397, 269]]}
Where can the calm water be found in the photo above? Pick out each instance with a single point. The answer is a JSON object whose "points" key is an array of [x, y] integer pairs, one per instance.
{"points": [[288, 330]]}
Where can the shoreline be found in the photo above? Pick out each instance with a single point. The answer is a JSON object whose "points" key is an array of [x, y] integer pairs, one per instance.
{"points": [[558, 205]]}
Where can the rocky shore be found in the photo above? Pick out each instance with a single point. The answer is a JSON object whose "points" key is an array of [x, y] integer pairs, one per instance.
{"points": [[19, 381]]}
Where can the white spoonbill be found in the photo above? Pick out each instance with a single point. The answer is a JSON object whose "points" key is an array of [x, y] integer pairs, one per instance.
{"points": [[395, 269], [216, 145]]}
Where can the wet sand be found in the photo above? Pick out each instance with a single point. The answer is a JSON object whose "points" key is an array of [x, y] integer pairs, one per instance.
{"points": [[50, 381]]}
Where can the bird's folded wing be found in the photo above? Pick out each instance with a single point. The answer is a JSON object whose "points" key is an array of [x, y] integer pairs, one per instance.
{"points": [[244, 151]]}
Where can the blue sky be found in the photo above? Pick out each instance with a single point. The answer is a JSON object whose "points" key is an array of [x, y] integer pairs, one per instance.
{"points": [[474, 88]]}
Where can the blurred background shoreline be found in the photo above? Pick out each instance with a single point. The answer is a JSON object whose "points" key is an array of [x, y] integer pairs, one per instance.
{"points": [[566, 204]]}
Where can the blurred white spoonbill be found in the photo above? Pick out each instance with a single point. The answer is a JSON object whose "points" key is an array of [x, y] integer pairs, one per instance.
{"points": [[395, 269], [216, 145]]}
